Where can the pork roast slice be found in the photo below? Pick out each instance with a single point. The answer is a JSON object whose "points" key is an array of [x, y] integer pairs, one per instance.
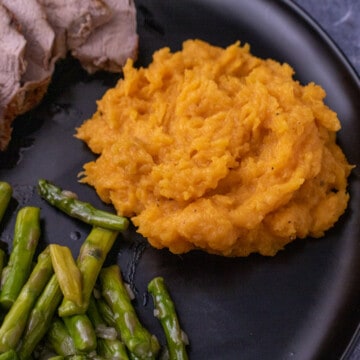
{"points": [[39, 54], [113, 43], [73, 21], [12, 67]]}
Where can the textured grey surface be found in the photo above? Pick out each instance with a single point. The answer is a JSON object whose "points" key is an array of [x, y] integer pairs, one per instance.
{"points": [[341, 20]]}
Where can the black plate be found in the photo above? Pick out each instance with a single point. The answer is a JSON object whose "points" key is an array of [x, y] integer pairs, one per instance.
{"points": [[301, 304]]}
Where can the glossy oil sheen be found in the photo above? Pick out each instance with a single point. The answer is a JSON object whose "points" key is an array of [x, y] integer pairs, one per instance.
{"points": [[301, 304]]}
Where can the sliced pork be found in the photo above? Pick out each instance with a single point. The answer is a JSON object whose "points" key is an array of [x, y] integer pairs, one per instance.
{"points": [[39, 54], [73, 21], [12, 67], [113, 43], [101, 34]]}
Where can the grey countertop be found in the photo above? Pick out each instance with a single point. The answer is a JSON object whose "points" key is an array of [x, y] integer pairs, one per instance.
{"points": [[341, 21]]}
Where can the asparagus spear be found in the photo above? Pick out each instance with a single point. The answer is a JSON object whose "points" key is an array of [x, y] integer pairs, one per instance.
{"points": [[109, 318], [9, 355], [112, 349], [15, 320], [90, 261], [94, 314], [5, 196], [72, 357], [67, 202], [106, 312], [40, 318], [82, 332], [2, 275], [137, 339], [166, 313], [108, 348], [67, 273], [59, 338], [26, 236]]}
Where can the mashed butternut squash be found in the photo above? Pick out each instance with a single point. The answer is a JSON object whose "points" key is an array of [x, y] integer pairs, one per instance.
{"points": [[216, 149]]}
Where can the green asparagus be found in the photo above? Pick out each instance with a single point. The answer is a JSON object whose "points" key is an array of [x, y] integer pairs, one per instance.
{"points": [[26, 236], [40, 318], [82, 332], [15, 320], [90, 261], [73, 357], [112, 349], [5, 196], [109, 348], [67, 273], [106, 312], [68, 203], [137, 339], [166, 313], [9, 355], [2, 262], [59, 338], [94, 313], [32, 301]]}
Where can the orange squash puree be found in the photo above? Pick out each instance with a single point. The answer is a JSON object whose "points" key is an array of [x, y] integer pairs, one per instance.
{"points": [[216, 149]]}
